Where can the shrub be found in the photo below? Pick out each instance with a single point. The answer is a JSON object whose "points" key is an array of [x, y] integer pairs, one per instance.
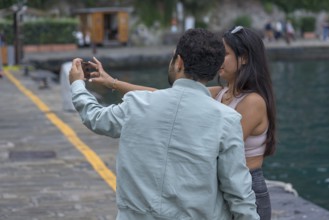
{"points": [[42, 31], [201, 24], [6, 28], [307, 24], [268, 7], [243, 20], [50, 31]]}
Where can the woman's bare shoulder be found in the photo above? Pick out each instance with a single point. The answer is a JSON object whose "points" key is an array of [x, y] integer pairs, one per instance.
{"points": [[254, 101]]}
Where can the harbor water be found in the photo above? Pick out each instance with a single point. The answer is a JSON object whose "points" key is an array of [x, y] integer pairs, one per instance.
{"points": [[302, 98], [302, 158]]}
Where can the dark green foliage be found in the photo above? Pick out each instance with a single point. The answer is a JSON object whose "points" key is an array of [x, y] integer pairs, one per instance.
{"points": [[150, 11], [268, 7], [307, 24], [48, 31], [158, 10], [7, 3], [46, 4], [30, 3], [6, 28], [291, 5], [197, 8], [243, 20], [201, 24]]}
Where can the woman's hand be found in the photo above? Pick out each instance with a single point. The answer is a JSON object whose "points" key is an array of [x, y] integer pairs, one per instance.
{"points": [[100, 77]]}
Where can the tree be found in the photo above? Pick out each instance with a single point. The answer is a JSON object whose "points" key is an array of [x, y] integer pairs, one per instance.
{"points": [[197, 8], [291, 5], [45, 4], [31, 3], [151, 11]]}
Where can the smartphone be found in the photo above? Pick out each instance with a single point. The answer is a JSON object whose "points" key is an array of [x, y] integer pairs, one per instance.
{"points": [[87, 69]]}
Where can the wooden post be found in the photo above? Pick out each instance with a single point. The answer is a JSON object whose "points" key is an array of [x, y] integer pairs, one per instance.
{"points": [[4, 55]]}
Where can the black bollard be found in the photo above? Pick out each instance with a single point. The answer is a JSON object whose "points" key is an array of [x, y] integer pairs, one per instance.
{"points": [[26, 71]]}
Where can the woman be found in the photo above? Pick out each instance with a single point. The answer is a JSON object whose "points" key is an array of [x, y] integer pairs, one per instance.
{"points": [[249, 91]]}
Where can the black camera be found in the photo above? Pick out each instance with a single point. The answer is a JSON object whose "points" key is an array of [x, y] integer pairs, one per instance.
{"points": [[87, 69]]}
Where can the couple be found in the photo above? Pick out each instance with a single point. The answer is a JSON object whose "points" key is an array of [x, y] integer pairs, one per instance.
{"points": [[182, 154]]}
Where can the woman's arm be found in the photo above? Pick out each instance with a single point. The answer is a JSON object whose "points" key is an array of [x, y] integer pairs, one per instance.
{"points": [[125, 87], [103, 78]]}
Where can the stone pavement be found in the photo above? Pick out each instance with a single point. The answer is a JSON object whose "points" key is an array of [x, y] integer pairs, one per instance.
{"points": [[44, 177]]}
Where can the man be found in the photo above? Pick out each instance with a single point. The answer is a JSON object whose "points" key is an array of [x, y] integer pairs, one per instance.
{"points": [[181, 154]]}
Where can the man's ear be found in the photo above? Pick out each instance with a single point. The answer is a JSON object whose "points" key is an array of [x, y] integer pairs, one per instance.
{"points": [[179, 63]]}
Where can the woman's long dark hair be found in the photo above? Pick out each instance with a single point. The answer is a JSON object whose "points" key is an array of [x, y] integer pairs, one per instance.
{"points": [[254, 76]]}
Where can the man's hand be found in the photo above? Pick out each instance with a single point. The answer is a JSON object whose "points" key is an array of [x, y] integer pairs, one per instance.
{"points": [[76, 71]]}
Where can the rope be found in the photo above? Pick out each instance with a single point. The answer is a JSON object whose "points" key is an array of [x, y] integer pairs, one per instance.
{"points": [[286, 186]]}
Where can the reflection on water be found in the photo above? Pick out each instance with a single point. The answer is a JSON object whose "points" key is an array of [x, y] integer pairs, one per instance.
{"points": [[302, 94]]}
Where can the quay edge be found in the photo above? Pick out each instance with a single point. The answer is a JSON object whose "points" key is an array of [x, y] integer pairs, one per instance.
{"points": [[153, 56]]}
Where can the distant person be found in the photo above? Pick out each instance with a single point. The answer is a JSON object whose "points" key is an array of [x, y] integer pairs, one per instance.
{"points": [[249, 91], [269, 36], [325, 28], [87, 39], [174, 28], [278, 30], [79, 38], [181, 152], [290, 32]]}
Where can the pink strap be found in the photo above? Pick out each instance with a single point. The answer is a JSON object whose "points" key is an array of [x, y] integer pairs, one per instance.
{"points": [[234, 102]]}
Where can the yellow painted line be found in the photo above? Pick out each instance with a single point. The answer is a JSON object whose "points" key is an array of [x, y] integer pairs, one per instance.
{"points": [[11, 67], [89, 154]]}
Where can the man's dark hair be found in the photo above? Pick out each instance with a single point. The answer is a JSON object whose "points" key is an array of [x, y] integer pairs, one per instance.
{"points": [[202, 52]]}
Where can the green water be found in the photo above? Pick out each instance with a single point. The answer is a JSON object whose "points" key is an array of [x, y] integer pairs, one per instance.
{"points": [[302, 95]]}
